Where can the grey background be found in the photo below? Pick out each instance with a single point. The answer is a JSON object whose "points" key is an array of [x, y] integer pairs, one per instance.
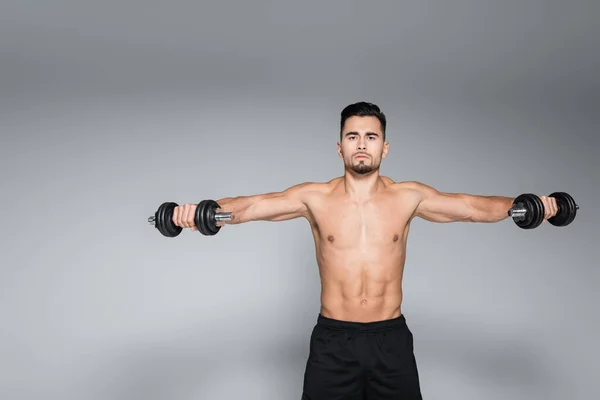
{"points": [[107, 109]]}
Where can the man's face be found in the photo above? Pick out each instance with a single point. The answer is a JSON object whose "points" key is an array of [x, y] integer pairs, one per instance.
{"points": [[362, 147]]}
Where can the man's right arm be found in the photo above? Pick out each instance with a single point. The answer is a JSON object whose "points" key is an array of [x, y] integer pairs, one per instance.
{"points": [[275, 206]]}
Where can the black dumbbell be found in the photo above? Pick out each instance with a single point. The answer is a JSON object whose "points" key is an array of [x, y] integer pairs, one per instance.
{"points": [[206, 218], [528, 210]]}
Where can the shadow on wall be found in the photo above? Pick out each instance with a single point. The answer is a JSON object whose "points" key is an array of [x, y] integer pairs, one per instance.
{"points": [[484, 358], [232, 364], [201, 365]]}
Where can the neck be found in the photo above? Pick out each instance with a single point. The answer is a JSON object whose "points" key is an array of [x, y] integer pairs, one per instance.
{"points": [[361, 187]]}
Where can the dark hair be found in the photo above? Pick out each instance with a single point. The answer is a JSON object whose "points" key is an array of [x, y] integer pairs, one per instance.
{"points": [[363, 109]]}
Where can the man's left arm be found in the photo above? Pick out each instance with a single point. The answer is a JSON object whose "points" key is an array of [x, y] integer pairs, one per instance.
{"points": [[436, 206]]}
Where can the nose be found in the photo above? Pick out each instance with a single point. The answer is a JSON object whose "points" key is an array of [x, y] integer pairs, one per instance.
{"points": [[362, 144]]}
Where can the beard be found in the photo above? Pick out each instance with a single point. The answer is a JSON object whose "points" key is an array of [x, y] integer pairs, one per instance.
{"points": [[361, 168]]}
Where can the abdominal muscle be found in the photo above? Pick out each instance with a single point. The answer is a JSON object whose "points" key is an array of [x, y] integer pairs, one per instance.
{"points": [[360, 248], [362, 283]]}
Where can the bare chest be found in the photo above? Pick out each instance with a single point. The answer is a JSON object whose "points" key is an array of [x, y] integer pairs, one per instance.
{"points": [[348, 224]]}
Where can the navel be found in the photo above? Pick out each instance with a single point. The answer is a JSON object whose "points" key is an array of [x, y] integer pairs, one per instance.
{"points": [[363, 302], [330, 238]]}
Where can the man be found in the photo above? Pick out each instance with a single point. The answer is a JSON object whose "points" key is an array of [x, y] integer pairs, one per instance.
{"points": [[361, 346]]}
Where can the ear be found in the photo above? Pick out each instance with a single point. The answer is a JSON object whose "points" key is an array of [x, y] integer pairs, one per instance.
{"points": [[339, 149], [386, 146]]}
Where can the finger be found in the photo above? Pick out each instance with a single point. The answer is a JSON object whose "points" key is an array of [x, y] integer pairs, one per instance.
{"points": [[546, 207], [191, 211], [184, 217], [175, 217], [549, 207], [192, 217], [181, 217], [552, 207]]}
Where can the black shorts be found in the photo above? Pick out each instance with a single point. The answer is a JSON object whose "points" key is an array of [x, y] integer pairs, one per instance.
{"points": [[354, 360]]}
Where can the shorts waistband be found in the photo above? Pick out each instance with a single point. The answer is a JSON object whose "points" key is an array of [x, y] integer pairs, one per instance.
{"points": [[373, 326]]}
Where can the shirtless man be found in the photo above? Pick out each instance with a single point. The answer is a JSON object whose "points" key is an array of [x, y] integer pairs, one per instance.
{"points": [[361, 346]]}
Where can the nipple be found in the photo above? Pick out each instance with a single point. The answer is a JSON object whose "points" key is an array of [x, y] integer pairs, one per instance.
{"points": [[330, 238]]}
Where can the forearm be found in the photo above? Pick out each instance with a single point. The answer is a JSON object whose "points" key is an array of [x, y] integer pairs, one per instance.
{"points": [[437, 206], [489, 208], [237, 206], [275, 206]]}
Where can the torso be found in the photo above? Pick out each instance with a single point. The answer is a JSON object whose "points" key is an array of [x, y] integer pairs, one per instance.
{"points": [[360, 249]]}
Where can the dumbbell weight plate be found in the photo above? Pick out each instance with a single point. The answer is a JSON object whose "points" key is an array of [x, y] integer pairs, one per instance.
{"points": [[567, 209], [205, 217], [535, 211], [163, 220], [211, 222], [200, 217]]}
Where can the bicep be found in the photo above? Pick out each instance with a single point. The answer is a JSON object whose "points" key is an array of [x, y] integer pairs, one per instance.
{"points": [[278, 206], [436, 206]]}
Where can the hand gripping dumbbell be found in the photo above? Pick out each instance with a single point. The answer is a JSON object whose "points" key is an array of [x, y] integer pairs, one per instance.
{"points": [[206, 218], [528, 210]]}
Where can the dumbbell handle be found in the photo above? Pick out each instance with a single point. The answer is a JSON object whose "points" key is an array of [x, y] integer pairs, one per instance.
{"points": [[221, 216], [517, 212]]}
